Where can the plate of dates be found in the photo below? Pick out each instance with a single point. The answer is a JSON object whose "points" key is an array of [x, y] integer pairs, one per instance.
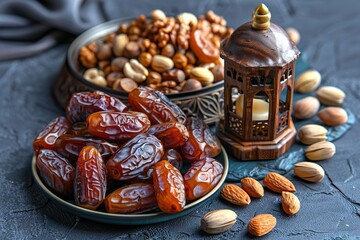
{"points": [[130, 165]]}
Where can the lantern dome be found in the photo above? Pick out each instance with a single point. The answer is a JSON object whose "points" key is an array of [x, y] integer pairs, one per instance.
{"points": [[250, 47]]}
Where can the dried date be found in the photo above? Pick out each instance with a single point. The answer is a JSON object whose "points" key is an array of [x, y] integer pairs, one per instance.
{"points": [[173, 157], [135, 157], [116, 125], [47, 137], [171, 134], [70, 145], [169, 187], [56, 171], [82, 104], [134, 198], [202, 142], [156, 105], [90, 179], [201, 177]]}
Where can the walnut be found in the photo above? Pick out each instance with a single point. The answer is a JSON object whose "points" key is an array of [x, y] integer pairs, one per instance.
{"points": [[87, 57]]}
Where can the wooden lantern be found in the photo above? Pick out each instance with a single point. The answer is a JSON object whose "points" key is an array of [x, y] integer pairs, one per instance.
{"points": [[258, 89]]}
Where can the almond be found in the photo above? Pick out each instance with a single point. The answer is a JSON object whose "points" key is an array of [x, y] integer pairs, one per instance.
{"points": [[306, 108], [333, 116], [331, 96], [202, 74], [235, 194], [278, 183], [320, 151], [218, 221], [161, 63], [308, 81], [290, 203], [309, 171], [261, 224], [252, 187], [312, 133]]}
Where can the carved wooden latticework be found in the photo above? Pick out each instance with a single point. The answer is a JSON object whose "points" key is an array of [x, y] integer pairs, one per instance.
{"points": [[258, 65]]}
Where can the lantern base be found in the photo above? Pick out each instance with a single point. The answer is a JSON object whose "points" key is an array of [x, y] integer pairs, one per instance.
{"points": [[257, 150]]}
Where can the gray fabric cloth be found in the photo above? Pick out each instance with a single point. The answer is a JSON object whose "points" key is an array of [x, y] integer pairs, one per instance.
{"points": [[28, 27]]}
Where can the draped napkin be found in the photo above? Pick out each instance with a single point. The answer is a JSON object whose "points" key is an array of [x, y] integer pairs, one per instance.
{"points": [[28, 27]]}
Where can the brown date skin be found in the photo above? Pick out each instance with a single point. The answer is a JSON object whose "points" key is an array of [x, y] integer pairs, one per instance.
{"points": [[56, 171], [90, 179], [171, 134], [116, 125], [82, 104], [135, 157], [134, 198], [169, 187], [201, 177], [174, 157], [47, 137], [202, 142], [79, 129], [70, 146], [156, 105]]}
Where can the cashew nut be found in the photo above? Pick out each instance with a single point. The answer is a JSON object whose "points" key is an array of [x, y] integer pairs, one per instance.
{"points": [[138, 67], [131, 73], [95, 76]]}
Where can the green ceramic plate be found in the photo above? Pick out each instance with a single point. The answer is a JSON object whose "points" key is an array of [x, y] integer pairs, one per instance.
{"points": [[129, 219]]}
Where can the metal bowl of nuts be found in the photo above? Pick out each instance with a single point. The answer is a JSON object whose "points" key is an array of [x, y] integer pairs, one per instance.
{"points": [[178, 56]]}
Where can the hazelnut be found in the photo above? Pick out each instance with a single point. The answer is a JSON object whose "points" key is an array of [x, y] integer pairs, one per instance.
{"points": [[180, 60], [191, 85], [112, 77], [168, 50], [125, 84], [117, 64], [176, 75], [218, 72], [105, 67], [145, 59], [104, 52], [153, 78], [132, 50], [109, 38]]}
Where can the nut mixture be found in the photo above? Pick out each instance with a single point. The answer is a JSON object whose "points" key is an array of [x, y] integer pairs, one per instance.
{"points": [[165, 53]]}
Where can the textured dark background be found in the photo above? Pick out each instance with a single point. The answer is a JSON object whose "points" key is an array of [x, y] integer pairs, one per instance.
{"points": [[329, 210]]}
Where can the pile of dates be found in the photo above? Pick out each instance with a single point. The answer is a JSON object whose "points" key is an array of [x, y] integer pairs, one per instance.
{"points": [[104, 156]]}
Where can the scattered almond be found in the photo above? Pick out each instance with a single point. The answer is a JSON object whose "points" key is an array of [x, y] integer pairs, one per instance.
{"points": [[278, 183], [252, 187], [320, 151], [309, 171], [261, 224], [330, 96], [306, 108], [235, 194], [218, 221], [312, 133], [294, 35], [290, 203], [333, 116], [308, 81]]}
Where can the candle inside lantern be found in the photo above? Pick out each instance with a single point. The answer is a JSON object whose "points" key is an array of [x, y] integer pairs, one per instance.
{"points": [[260, 108]]}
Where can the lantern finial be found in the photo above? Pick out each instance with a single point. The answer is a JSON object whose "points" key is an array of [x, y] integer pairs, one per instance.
{"points": [[261, 17]]}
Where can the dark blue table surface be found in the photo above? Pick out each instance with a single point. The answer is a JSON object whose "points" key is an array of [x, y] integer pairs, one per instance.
{"points": [[330, 39]]}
